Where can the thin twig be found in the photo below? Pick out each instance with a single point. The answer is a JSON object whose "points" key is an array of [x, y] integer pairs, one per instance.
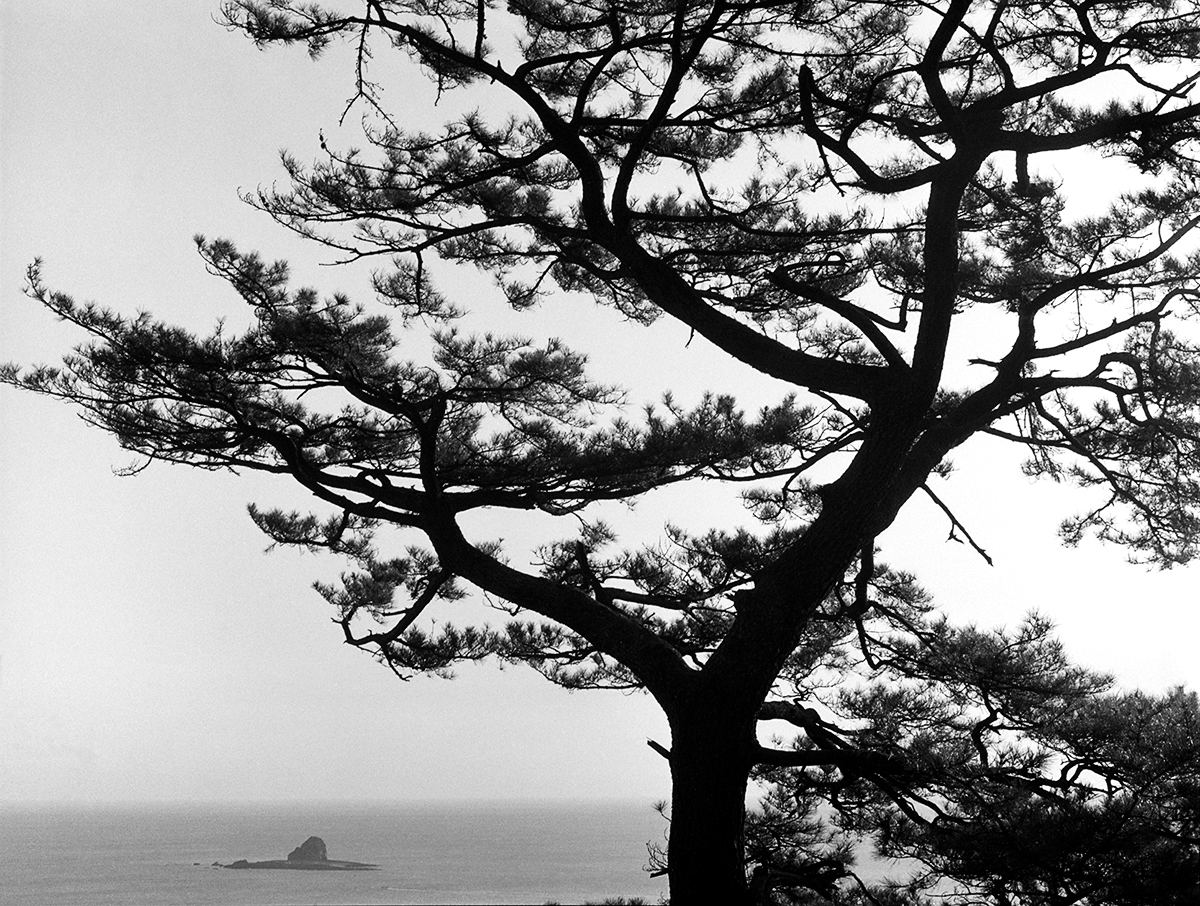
{"points": [[956, 524]]}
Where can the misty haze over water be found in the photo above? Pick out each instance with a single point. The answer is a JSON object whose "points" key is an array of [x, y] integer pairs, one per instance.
{"points": [[428, 853]]}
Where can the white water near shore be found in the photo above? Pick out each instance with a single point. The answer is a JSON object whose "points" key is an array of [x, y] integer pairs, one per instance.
{"points": [[428, 853]]}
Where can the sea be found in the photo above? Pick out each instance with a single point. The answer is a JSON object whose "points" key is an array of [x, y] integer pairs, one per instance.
{"points": [[163, 855]]}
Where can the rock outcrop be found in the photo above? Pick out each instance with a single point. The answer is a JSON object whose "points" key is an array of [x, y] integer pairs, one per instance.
{"points": [[309, 856], [311, 850]]}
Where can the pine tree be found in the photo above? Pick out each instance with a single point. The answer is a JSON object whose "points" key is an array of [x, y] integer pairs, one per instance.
{"points": [[825, 191]]}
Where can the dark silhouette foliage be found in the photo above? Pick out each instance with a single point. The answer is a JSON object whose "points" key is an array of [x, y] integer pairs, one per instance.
{"points": [[828, 192]]}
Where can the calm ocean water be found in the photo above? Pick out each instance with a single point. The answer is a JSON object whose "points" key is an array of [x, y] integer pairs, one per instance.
{"points": [[95, 856]]}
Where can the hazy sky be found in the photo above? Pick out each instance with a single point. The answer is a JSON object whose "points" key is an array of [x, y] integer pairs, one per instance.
{"points": [[148, 647]]}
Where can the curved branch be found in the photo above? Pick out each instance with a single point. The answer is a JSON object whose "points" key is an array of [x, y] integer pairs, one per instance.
{"points": [[860, 318], [653, 659]]}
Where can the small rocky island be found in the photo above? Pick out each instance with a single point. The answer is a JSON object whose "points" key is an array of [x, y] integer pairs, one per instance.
{"points": [[308, 856]]}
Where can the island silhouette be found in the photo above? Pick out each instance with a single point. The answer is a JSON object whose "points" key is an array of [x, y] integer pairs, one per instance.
{"points": [[308, 856]]}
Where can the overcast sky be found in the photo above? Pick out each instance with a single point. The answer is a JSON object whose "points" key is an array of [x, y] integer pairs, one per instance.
{"points": [[149, 649]]}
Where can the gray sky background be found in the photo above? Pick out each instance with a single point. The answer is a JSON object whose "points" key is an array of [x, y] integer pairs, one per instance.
{"points": [[148, 647]]}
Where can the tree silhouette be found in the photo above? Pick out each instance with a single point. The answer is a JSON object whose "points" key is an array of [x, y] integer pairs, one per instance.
{"points": [[1001, 775], [826, 191]]}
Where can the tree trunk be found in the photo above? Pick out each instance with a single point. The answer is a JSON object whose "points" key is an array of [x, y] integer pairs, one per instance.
{"points": [[710, 766]]}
